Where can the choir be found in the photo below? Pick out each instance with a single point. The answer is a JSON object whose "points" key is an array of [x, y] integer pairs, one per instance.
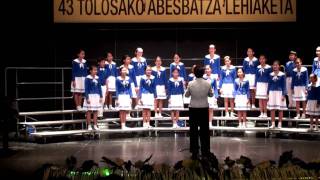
{"points": [[135, 85]]}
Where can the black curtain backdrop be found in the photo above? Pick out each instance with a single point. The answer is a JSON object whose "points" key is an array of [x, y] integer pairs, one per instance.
{"points": [[34, 40]]}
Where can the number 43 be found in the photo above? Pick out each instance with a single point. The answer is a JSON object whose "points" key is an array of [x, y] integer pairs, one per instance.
{"points": [[66, 6]]}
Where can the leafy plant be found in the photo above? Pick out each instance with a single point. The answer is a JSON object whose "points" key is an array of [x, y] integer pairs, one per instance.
{"points": [[207, 168]]}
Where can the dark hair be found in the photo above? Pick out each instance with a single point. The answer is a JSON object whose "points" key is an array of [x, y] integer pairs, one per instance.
{"points": [[251, 49], [175, 69], [124, 58], [101, 59], [313, 75], [79, 51], [147, 66], [276, 61], [120, 68], [177, 54], [198, 71], [92, 66], [262, 55], [157, 58]]}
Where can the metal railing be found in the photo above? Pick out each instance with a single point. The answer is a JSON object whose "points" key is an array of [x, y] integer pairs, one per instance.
{"points": [[18, 83]]}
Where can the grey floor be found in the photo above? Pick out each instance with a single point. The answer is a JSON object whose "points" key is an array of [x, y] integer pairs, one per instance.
{"points": [[30, 156]]}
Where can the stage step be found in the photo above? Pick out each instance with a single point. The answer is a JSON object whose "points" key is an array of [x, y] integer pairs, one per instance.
{"points": [[35, 113], [56, 122], [169, 129]]}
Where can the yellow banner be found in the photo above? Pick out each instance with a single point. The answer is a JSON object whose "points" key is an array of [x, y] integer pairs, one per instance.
{"points": [[136, 11]]}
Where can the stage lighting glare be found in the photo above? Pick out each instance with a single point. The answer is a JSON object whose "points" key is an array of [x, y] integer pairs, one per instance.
{"points": [[249, 132], [238, 139], [106, 172]]}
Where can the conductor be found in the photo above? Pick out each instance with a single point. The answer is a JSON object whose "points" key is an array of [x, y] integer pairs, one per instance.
{"points": [[199, 90]]}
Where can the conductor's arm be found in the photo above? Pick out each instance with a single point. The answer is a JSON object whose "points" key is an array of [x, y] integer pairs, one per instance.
{"points": [[210, 92], [188, 93]]}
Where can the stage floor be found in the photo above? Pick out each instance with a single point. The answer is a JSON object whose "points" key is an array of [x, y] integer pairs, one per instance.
{"points": [[30, 156]]}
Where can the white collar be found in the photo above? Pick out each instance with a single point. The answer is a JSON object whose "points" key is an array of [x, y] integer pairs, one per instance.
{"points": [[154, 68], [145, 77], [215, 56], [120, 78], [78, 61], [142, 59], [303, 69], [311, 85], [253, 59], [180, 64], [316, 59], [238, 80], [129, 67], [191, 75], [90, 77], [267, 66], [173, 80], [280, 73], [225, 67], [110, 63], [289, 62], [206, 76]]}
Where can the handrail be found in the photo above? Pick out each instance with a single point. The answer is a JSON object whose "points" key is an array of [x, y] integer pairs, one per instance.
{"points": [[43, 98], [35, 113], [156, 129], [39, 83], [47, 112], [37, 68], [216, 118]]}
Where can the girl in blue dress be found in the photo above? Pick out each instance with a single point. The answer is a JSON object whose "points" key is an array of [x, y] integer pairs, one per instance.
{"points": [[313, 105], [112, 73], [124, 95], [242, 98], [160, 76], [226, 85], [79, 73], [250, 65], [175, 96], [102, 73], [276, 94], [147, 95], [300, 81], [262, 79], [316, 65], [212, 101], [93, 97]]}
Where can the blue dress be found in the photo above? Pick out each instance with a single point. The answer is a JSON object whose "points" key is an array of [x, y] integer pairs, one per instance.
{"points": [[175, 93], [160, 82], [250, 69], [92, 93], [316, 68], [241, 94], [79, 73]]}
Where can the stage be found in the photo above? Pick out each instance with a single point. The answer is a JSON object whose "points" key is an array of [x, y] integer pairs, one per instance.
{"points": [[166, 149]]}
